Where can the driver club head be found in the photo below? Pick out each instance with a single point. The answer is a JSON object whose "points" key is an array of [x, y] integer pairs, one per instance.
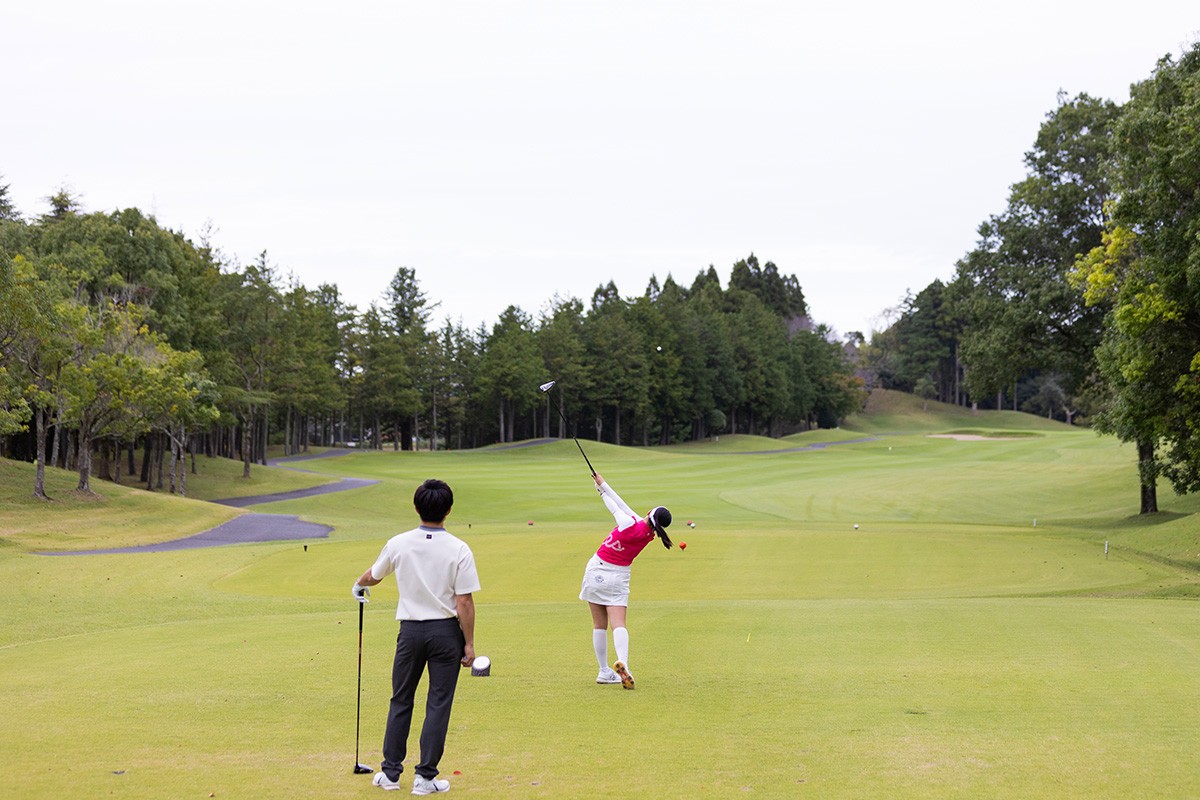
{"points": [[545, 387], [362, 769]]}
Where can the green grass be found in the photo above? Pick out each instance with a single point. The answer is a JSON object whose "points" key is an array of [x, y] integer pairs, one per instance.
{"points": [[896, 412], [948, 647]]}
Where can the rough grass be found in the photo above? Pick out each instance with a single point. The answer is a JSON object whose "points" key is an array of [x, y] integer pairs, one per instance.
{"points": [[948, 647]]}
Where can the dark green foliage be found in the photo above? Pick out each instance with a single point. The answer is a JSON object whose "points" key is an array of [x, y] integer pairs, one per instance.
{"points": [[286, 364], [1149, 268]]}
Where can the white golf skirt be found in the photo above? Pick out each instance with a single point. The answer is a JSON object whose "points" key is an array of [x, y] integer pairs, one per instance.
{"points": [[605, 584]]}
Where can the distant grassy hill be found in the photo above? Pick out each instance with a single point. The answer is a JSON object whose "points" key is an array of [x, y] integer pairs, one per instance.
{"points": [[889, 411]]}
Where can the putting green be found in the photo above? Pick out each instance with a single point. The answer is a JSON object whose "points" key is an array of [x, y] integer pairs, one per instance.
{"points": [[948, 647]]}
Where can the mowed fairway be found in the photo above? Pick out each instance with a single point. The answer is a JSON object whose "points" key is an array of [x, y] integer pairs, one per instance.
{"points": [[948, 647]]}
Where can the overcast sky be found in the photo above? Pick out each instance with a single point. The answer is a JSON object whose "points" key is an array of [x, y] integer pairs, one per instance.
{"points": [[513, 151]]}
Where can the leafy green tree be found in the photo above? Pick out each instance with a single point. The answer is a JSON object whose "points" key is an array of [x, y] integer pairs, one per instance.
{"points": [[250, 306], [408, 311], [179, 398], [39, 333], [837, 391], [16, 316], [716, 383], [7, 210], [781, 294], [386, 392], [1021, 313], [761, 356], [1144, 276], [106, 384], [510, 369], [560, 337], [63, 204], [618, 356], [674, 362], [306, 376], [460, 354], [925, 337]]}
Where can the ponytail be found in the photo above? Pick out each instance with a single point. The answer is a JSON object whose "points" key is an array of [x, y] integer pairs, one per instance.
{"points": [[659, 519]]}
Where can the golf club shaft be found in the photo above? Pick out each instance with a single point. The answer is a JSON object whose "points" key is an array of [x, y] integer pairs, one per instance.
{"points": [[358, 694], [585, 458], [577, 444]]}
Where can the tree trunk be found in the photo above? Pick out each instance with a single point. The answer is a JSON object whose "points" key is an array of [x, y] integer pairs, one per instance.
{"points": [[183, 470], [85, 457], [105, 461], [145, 476], [72, 440], [247, 443], [159, 458], [55, 450], [1148, 472], [433, 429], [39, 475]]}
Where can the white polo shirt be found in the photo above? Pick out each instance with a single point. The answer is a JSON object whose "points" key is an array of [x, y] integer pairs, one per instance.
{"points": [[431, 566]]}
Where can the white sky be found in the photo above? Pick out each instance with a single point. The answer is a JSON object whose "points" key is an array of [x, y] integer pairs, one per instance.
{"points": [[512, 151]]}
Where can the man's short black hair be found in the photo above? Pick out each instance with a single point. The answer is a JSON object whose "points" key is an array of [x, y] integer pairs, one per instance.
{"points": [[433, 500]]}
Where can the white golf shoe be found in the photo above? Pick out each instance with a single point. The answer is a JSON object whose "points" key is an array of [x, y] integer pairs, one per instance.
{"points": [[429, 786], [384, 782], [608, 676]]}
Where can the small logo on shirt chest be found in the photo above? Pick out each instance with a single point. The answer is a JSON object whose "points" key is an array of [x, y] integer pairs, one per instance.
{"points": [[429, 536]]}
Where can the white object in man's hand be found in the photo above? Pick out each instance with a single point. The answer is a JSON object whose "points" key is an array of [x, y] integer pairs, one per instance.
{"points": [[361, 593]]}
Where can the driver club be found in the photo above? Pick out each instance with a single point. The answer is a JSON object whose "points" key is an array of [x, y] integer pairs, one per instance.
{"points": [[359, 767], [544, 389]]}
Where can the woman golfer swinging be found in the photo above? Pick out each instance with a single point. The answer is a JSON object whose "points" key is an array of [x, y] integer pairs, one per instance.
{"points": [[606, 579]]}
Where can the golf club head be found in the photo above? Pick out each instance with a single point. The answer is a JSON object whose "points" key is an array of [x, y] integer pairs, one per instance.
{"points": [[545, 387], [362, 769]]}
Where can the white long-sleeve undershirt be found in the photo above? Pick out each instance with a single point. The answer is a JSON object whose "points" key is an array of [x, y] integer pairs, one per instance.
{"points": [[622, 513]]}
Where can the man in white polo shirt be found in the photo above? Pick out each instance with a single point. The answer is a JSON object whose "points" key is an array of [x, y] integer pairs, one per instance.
{"points": [[435, 573]]}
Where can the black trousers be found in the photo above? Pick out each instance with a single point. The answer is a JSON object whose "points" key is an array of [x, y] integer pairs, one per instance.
{"points": [[436, 644]]}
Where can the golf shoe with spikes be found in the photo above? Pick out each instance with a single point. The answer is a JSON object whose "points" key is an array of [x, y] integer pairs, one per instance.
{"points": [[626, 677]]}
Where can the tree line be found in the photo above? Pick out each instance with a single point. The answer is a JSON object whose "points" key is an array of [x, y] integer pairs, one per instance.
{"points": [[1081, 299], [126, 348], [1079, 302]]}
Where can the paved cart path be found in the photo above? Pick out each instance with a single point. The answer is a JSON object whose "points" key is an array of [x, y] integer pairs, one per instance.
{"points": [[252, 527]]}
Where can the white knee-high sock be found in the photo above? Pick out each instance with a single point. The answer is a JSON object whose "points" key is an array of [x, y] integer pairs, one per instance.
{"points": [[600, 645], [621, 642]]}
